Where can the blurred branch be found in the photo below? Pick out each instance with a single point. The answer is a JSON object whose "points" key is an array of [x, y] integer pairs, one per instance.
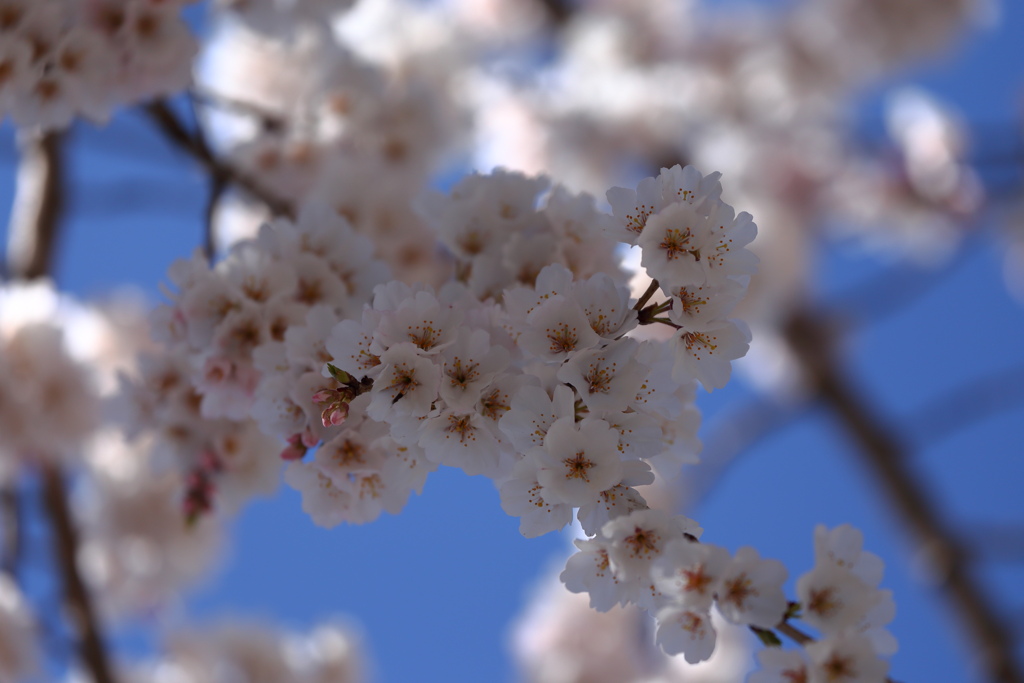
{"points": [[77, 600], [13, 529], [733, 434], [559, 11], [195, 146], [38, 203], [997, 542], [269, 121], [218, 186], [968, 403], [895, 289], [812, 342]]}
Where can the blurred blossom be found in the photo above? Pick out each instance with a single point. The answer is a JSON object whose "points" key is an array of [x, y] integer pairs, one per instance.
{"points": [[18, 648], [248, 651]]}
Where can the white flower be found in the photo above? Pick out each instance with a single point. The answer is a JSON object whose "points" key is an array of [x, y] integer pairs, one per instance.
{"points": [[617, 501], [469, 365], [685, 184], [845, 659], [697, 305], [684, 245], [843, 546], [706, 354], [671, 242], [606, 378], [690, 573], [578, 463], [632, 209], [421, 320], [780, 666], [460, 440], [606, 306], [350, 346], [833, 598], [322, 499], [407, 385], [532, 412], [751, 590], [522, 495], [557, 328], [686, 630], [589, 571]]}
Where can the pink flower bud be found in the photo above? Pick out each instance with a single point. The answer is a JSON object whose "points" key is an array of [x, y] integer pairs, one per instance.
{"points": [[293, 452], [323, 396], [309, 440]]}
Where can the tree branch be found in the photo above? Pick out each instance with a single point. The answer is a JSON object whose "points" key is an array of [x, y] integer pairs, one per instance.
{"points": [[38, 203], [13, 529], [77, 600], [888, 458], [174, 130]]}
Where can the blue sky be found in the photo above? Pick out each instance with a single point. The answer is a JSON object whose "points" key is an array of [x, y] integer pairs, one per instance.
{"points": [[436, 588]]}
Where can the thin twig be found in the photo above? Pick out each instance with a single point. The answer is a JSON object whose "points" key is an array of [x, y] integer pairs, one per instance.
{"points": [[646, 296], [812, 342], [38, 203], [77, 600], [218, 186], [793, 633], [174, 130]]}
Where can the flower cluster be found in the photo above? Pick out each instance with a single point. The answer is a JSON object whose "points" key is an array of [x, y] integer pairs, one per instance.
{"points": [[841, 599], [499, 237], [694, 246], [522, 372], [332, 652], [236, 342], [652, 559], [64, 58]]}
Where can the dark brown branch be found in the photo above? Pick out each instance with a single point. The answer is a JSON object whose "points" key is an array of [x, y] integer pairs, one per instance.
{"points": [[175, 131], [13, 529], [38, 202], [270, 122], [888, 459], [794, 634], [652, 289], [559, 12], [77, 600]]}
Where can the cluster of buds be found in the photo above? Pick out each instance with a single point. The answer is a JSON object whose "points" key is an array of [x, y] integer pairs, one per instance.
{"points": [[200, 487], [336, 400]]}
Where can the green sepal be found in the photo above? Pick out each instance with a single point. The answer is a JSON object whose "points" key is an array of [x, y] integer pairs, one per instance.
{"points": [[766, 636], [339, 374]]}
